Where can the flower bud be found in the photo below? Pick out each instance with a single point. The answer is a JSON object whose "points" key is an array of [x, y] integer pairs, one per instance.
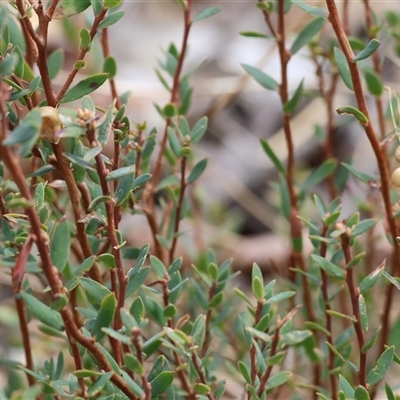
{"points": [[396, 177], [51, 124]]}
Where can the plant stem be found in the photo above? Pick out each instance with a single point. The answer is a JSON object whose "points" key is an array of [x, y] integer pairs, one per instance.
{"points": [[207, 336], [178, 209], [354, 297], [112, 235], [81, 56], [13, 165], [174, 99], [380, 157], [325, 296], [137, 342], [200, 373]]}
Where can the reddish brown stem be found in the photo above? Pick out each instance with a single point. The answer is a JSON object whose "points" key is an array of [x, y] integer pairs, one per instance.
{"points": [[379, 154], [207, 336], [325, 296], [178, 209], [200, 372], [81, 56], [13, 165], [354, 297]]}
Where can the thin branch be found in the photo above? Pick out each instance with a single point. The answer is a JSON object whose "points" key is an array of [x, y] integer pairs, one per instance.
{"points": [[354, 297]]}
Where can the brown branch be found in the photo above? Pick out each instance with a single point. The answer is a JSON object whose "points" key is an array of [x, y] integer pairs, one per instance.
{"points": [[325, 296], [137, 342], [207, 336], [200, 373], [380, 157], [13, 165], [81, 56], [354, 297], [178, 209], [112, 234]]}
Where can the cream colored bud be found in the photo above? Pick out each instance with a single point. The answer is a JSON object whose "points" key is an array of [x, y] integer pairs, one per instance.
{"points": [[51, 124], [396, 177], [397, 154]]}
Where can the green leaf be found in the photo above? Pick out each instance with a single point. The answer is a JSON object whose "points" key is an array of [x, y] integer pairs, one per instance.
{"points": [[294, 337], [27, 131], [382, 365], [125, 186], [110, 64], [80, 64], [363, 177], [68, 8], [244, 371], [108, 259], [361, 393], [369, 281], [133, 364], [371, 342], [84, 87], [308, 32], [261, 77], [355, 112], [198, 130], [346, 387], [369, 49], [257, 288], [137, 281], [206, 13], [392, 280], [280, 297], [318, 175], [42, 312], [79, 161], [141, 180], [98, 200], [362, 227], [19, 66], [363, 313], [374, 82], [328, 266], [340, 315], [120, 173], [112, 3], [174, 142], [99, 384], [343, 67], [199, 330], [55, 62], [84, 39], [278, 379], [161, 383], [272, 156], [291, 105], [96, 290], [7, 65], [158, 267], [84, 267], [316, 11], [104, 126], [104, 316], [111, 19], [253, 34], [197, 170], [97, 6], [389, 392], [60, 246]]}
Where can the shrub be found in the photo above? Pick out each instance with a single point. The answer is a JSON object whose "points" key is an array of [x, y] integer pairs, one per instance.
{"points": [[119, 321]]}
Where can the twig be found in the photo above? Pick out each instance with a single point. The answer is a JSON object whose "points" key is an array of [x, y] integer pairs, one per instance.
{"points": [[354, 297], [178, 209]]}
